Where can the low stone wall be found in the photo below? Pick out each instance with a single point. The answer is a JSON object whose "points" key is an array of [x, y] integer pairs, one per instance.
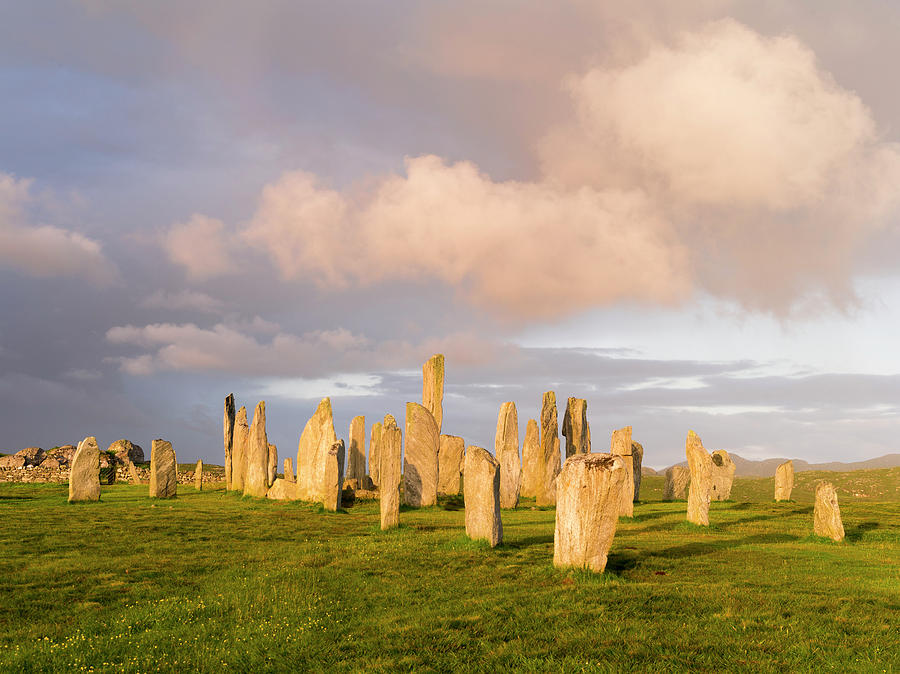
{"points": [[30, 474]]}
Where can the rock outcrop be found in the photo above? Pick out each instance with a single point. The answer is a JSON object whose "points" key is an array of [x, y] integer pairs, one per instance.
{"points": [[163, 470], [84, 475], [451, 454], [316, 441], [282, 490], [588, 496], [228, 433], [699, 494], [575, 427], [784, 481], [827, 515], [240, 450], [532, 466], [482, 496], [334, 476], [620, 445], [677, 480], [722, 475], [551, 460], [389, 472], [356, 451], [420, 457], [256, 480], [506, 449], [433, 388], [637, 458]]}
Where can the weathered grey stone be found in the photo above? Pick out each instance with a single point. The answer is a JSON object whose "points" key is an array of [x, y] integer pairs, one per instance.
{"points": [[256, 480], [482, 496], [356, 452], [316, 441], [637, 458], [375, 453], [827, 515], [677, 480], [126, 451], [420, 457], [84, 475], [14, 461], [551, 460], [532, 466], [433, 388], [700, 464], [288, 470], [451, 454], [240, 450], [63, 454], [133, 474], [620, 445], [506, 449], [575, 427], [588, 497], [784, 481], [228, 432], [334, 476], [198, 476], [722, 475], [272, 471], [389, 472], [282, 490], [163, 470]]}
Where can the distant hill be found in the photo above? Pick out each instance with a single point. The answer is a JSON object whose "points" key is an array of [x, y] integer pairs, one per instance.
{"points": [[766, 467]]}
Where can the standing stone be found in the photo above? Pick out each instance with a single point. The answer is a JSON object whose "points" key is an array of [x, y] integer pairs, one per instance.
{"points": [[228, 431], [272, 471], [375, 453], [316, 441], [289, 469], [334, 476], [532, 468], [389, 471], [356, 452], [637, 458], [700, 464], [163, 470], [256, 480], [132, 472], [198, 476], [722, 475], [575, 427], [451, 454], [84, 473], [677, 479], [433, 388], [420, 457], [589, 491], [240, 450], [550, 457], [506, 449], [482, 496], [620, 445], [784, 481], [827, 516]]}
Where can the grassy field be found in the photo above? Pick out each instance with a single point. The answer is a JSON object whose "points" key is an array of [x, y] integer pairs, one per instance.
{"points": [[213, 582]]}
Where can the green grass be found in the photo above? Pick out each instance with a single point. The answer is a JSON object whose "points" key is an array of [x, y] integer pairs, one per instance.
{"points": [[214, 582]]}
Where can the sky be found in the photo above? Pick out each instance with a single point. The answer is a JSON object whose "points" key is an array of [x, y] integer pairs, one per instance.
{"points": [[686, 213]]}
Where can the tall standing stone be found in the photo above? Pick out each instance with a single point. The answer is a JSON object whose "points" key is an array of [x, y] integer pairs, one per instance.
{"points": [[334, 476], [316, 441], [389, 472], [677, 480], [451, 454], [827, 515], [482, 496], [163, 470], [637, 460], [272, 466], [723, 469], [784, 481], [375, 453], [433, 388], [551, 459], [240, 450], [256, 481], [289, 469], [228, 431], [588, 494], [532, 467], [84, 472], [620, 445], [198, 476], [420, 458], [700, 464], [506, 449], [575, 427], [356, 452]]}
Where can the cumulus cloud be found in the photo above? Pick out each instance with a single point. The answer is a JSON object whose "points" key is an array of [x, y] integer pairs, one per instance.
{"points": [[202, 246], [44, 251]]}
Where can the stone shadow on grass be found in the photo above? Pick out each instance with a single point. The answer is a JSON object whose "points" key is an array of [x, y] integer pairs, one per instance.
{"points": [[856, 533], [705, 548], [528, 542]]}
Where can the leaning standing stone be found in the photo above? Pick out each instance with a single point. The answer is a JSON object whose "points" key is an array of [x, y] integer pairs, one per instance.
{"points": [[241, 449], [532, 468], [375, 453], [256, 481], [316, 441], [163, 470], [620, 444], [389, 471], [272, 471], [132, 472], [827, 516], [550, 456], [84, 474], [588, 494], [356, 452], [334, 476], [451, 454], [420, 458], [506, 449], [637, 459], [198, 476], [677, 479], [575, 427], [700, 464], [482, 496], [433, 388], [784, 481], [722, 475], [228, 430]]}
